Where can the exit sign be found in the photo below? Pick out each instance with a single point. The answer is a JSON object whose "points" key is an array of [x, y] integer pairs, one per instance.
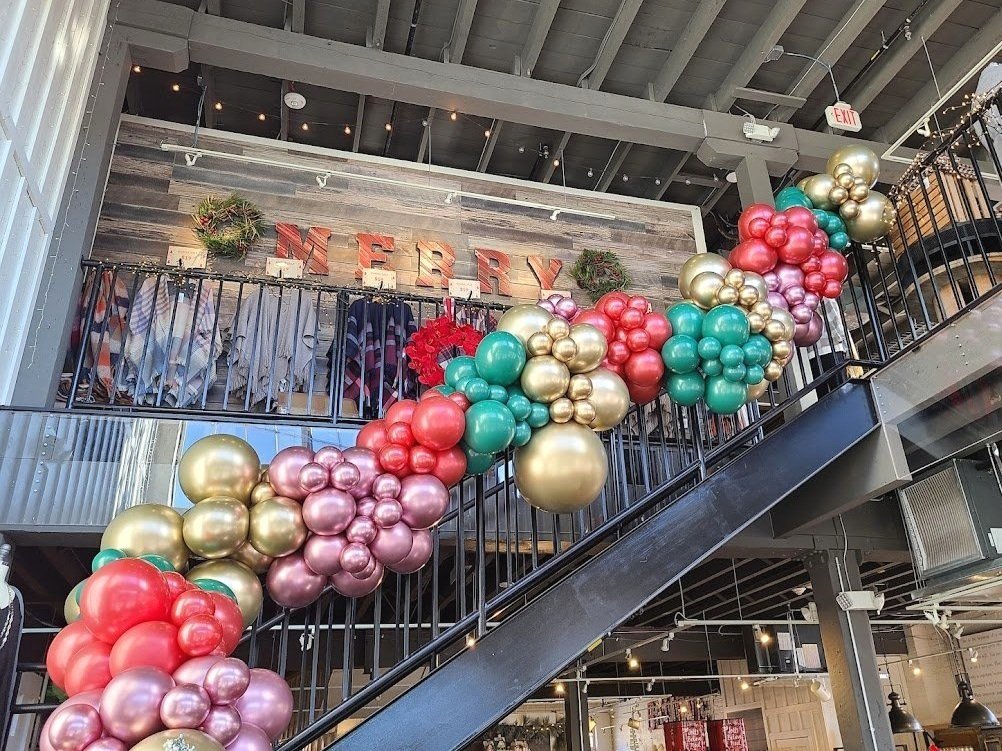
{"points": [[842, 116]]}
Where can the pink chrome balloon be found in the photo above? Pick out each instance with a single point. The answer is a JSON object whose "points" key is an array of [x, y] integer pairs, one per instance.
{"points": [[222, 723], [366, 572], [567, 308], [365, 506], [328, 456], [387, 512], [801, 313], [794, 295], [355, 557], [349, 586], [292, 583], [313, 477], [227, 680], [185, 706], [344, 476], [322, 553], [812, 300], [194, 670], [420, 554], [789, 276], [107, 744], [547, 305], [392, 544], [267, 703], [73, 727], [771, 281], [368, 467], [809, 333], [386, 486], [424, 499], [328, 511], [250, 738], [777, 300], [362, 529], [283, 472], [130, 706]]}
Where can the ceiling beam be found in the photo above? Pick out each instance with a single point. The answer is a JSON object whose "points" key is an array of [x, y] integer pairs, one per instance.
{"points": [[890, 63], [492, 142], [969, 57], [375, 37], [770, 97], [706, 206], [843, 34], [688, 42], [779, 19]]}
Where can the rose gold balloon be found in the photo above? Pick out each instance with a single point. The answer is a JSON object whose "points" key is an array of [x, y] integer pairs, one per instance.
{"points": [[322, 553], [313, 477], [349, 586], [355, 557], [392, 544], [424, 500], [421, 551], [387, 512], [368, 468], [386, 486], [344, 476], [328, 511], [362, 529], [365, 506], [328, 456], [283, 472]]}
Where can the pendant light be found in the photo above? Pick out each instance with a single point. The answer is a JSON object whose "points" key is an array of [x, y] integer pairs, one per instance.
{"points": [[970, 713], [902, 721]]}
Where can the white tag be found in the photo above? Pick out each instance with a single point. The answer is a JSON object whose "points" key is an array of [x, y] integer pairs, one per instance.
{"points": [[544, 293], [379, 278], [284, 268], [186, 258], [464, 289]]}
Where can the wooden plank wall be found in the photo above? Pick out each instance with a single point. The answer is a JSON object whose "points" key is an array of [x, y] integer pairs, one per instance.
{"points": [[151, 194]]}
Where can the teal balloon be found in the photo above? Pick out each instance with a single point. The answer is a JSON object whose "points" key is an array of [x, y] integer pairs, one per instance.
{"points": [[214, 585], [758, 350], [709, 348], [686, 388], [500, 358], [476, 462], [522, 433], [519, 406], [727, 323], [791, 196], [461, 383], [490, 427], [835, 223], [78, 590], [724, 397], [477, 389], [444, 390], [539, 415], [754, 374], [731, 355], [680, 353], [515, 388], [498, 393], [712, 367], [823, 218], [105, 557], [458, 369], [686, 318], [159, 561], [838, 240], [735, 372]]}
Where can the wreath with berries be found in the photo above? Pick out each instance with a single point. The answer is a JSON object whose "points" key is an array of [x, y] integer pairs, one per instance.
{"points": [[227, 227], [438, 341]]}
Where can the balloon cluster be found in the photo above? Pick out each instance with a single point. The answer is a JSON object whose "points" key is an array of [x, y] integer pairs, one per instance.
{"points": [[787, 290], [560, 305]]}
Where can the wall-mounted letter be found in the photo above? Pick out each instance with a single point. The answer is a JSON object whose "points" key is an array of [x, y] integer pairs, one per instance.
{"points": [[493, 264], [435, 262], [546, 271], [312, 251], [372, 251]]}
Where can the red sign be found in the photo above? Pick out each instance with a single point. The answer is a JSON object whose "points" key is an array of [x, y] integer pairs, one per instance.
{"points": [[842, 116]]}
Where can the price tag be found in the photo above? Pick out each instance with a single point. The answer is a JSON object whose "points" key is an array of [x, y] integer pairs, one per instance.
{"points": [[379, 278], [464, 289], [544, 293], [186, 258], [284, 268]]}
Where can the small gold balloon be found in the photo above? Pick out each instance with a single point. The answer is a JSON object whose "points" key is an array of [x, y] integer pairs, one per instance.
{"points": [[545, 378], [181, 739], [539, 344], [817, 188], [564, 349], [859, 193], [562, 469], [849, 210], [862, 162], [757, 390], [241, 580], [782, 349], [71, 609], [219, 465], [562, 410], [703, 289], [523, 321], [610, 397], [584, 412], [727, 295], [734, 278], [846, 180], [747, 296], [838, 195], [592, 347], [216, 527], [755, 322], [763, 309], [263, 477], [580, 387], [774, 331], [874, 219], [256, 561], [558, 328], [757, 282], [789, 325], [697, 264], [277, 527], [840, 169], [261, 492], [148, 529], [773, 371]]}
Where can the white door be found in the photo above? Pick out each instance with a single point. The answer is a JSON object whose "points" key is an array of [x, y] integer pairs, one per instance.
{"points": [[800, 743]]}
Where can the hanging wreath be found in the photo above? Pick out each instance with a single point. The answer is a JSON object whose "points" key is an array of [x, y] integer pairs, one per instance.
{"points": [[439, 340], [598, 272], [227, 227]]}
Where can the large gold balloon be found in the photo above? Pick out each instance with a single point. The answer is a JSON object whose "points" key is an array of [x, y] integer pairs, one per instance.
{"points": [[789, 325], [71, 608], [817, 187], [240, 579], [277, 527], [148, 529], [256, 561], [179, 740], [523, 321], [875, 218], [703, 289], [216, 527], [697, 264], [219, 465], [562, 468], [262, 492], [864, 162], [544, 379], [592, 347], [609, 396]]}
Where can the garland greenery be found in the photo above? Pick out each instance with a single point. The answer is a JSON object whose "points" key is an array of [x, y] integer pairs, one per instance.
{"points": [[227, 227], [598, 272]]}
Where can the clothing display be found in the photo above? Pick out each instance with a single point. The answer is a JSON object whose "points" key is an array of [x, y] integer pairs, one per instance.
{"points": [[102, 351], [273, 343]]}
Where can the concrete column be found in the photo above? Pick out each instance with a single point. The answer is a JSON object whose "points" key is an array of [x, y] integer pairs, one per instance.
{"points": [[754, 185], [576, 717], [850, 654]]}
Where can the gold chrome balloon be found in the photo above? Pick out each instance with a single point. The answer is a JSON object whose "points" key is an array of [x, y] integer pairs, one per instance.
{"points": [[782, 349], [562, 469], [846, 180], [591, 348], [774, 330], [256, 561], [178, 740], [862, 162], [848, 211], [564, 349], [727, 295], [262, 492], [538, 344], [584, 412], [755, 322], [216, 527], [703, 289], [754, 392], [697, 264], [762, 308], [734, 278], [148, 529], [219, 465], [610, 398], [875, 218], [747, 296], [558, 328], [545, 379], [277, 527], [71, 609], [562, 410], [838, 195], [773, 370], [757, 282], [523, 321], [240, 579], [580, 387], [789, 325], [858, 193], [840, 168], [817, 188]]}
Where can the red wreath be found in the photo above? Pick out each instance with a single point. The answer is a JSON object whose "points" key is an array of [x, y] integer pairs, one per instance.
{"points": [[437, 340]]}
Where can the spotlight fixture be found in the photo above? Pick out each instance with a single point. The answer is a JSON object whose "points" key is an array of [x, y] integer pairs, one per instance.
{"points": [[666, 644], [591, 172], [761, 635], [554, 215], [306, 126], [453, 116], [176, 87], [137, 69], [559, 688], [218, 106], [821, 691], [973, 654], [389, 127], [347, 130], [261, 117], [731, 177], [650, 685]]}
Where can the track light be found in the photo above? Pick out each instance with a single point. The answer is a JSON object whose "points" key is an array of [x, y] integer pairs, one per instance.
{"points": [[916, 670], [821, 691], [591, 724], [666, 644], [554, 215], [798, 591], [973, 653], [761, 635]]}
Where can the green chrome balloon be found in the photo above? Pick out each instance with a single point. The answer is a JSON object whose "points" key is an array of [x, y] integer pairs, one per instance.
{"points": [[754, 374], [758, 350], [477, 463], [791, 196], [838, 240], [709, 348], [686, 388], [490, 427], [519, 406], [498, 393], [105, 557], [735, 372], [724, 397], [214, 585], [680, 353], [444, 390], [539, 415], [500, 358], [686, 318], [477, 389], [727, 323], [731, 355], [823, 218], [458, 369], [159, 561], [712, 367], [522, 433]]}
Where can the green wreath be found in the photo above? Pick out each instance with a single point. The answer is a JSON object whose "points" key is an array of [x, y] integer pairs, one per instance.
{"points": [[599, 272], [227, 227]]}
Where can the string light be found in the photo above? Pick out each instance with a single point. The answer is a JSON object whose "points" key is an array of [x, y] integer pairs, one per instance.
{"points": [[137, 69], [306, 126], [176, 88], [219, 106], [591, 172], [262, 117], [388, 127], [632, 662], [745, 686], [487, 133], [347, 130], [453, 116], [556, 162], [683, 709], [626, 178], [916, 670], [559, 688]]}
